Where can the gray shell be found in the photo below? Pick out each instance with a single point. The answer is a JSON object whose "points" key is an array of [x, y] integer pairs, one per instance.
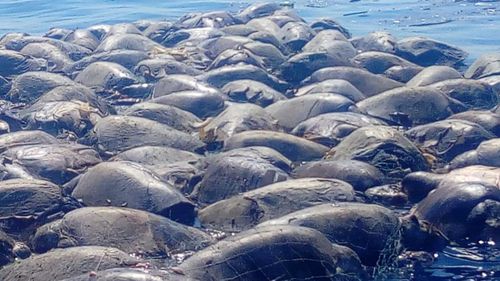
{"points": [[83, 37], [58, 117], [29, 86], [14, 63], [56, 59], [447, 138], [383, 147], [368, 83], [365, 228], [65, 263], [359, 174], [28, 203], [380, 62], [58, 163], [129, 184], [433, 74], [246, 210], [75, 52], [487, 154], [106, 76], [21, 138], [303, 65], [292, 147], [133, 42], [156, 156], [233, 174], [486, 119], [472, 94], [447, 208], [178, 83], [223, 75], [114, 134], [252, 91], [166, 114], [484, 66], [132, 231], [330, 128], [201, 104], [75, 92], [237, 118], [420, 105], [297, 253], [126, 58], [380, 41], [130, 274], [290, 113], [425, 52], [335, 86]]}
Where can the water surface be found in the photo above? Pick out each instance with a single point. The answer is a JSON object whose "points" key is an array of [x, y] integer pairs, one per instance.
{"points": [[472, 25]]}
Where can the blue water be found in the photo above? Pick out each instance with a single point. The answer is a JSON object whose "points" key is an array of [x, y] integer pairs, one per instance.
{"points": [[472, 25]]}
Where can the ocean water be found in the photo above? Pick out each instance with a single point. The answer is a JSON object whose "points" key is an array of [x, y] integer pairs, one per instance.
{"points": [[473, 25]]}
